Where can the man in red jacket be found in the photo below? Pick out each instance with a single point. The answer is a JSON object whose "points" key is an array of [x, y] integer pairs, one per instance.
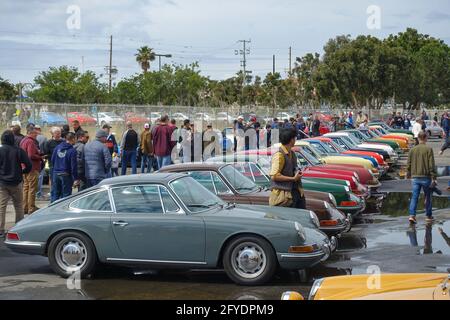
{"points": [[30, 180], [162, 142]]}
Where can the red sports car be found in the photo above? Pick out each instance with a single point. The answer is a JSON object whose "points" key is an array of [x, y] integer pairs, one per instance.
{"points": [[136, 118], [83, 118]]}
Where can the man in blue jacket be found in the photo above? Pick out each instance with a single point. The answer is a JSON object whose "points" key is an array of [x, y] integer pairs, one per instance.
{"points": [[97, 159], [65, 169]]}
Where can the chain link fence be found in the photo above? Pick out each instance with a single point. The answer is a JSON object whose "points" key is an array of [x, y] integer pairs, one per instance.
{"points": [[93, 117]]}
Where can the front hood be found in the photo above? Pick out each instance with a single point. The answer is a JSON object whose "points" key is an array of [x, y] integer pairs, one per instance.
{"points": [[391, 287]]}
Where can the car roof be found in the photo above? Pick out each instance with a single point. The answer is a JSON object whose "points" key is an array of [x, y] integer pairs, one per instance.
{"points": [[142, 178], [193, 166]]}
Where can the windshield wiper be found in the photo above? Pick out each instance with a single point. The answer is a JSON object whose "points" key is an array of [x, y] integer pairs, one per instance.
{"points": [[230, 206]]}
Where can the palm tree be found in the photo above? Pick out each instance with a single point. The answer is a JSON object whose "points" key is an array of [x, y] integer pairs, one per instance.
{"points": [[144, 56]]}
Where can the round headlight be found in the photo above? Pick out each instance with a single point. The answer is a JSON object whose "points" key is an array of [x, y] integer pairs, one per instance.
{"points": [[314, 218], [347, 189], [316, 286], [300, 231]]}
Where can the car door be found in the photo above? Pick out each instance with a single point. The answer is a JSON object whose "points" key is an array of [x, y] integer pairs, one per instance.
{"points": [[150, 225]]}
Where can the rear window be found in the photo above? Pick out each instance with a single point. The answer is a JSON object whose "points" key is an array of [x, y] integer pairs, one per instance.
{"points": [[98, 201]]}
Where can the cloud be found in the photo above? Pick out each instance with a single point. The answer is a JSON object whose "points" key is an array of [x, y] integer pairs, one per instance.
{"points": [[436, 16]]}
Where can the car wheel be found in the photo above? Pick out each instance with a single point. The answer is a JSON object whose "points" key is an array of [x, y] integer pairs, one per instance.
{"points": [[249, 261], [71, 252]]}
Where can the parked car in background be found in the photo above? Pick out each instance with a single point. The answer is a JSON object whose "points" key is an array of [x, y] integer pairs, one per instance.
{"points": [[109, 118], [201, 116], [154, 116], [83, 118], [434, 129], [178, 116], [135, 118], [224, 116], [47, 119], [167, 221]]}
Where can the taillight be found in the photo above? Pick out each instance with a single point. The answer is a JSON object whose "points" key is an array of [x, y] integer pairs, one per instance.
{"points": [[328, 223], [12, 236], [349, 204]]}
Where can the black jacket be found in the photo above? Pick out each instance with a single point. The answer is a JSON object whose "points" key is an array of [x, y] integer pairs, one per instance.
{"points": [[11, 160]]}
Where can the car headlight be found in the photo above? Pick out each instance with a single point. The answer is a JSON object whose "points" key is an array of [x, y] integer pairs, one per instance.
{"points": [[316, 286], [347, 189], [300, 231], [347, 183], [314, 218]]}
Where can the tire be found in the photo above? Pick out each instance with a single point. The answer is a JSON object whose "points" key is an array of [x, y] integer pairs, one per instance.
{"points": [[256, 274], [76, 241]]}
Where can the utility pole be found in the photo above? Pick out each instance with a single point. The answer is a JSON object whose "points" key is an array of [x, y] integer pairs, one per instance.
{"points": [[290, 61], [273, 64], [110, 63], [244, 52], [82, 64]]}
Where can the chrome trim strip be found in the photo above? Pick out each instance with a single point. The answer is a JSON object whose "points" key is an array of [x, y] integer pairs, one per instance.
{"points": [[302, 255], [154, 261], [25, 243]]}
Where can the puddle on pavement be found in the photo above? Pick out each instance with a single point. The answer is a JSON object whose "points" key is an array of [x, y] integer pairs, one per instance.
{"points": [[443, 171], [397, 204], [426, 238]]}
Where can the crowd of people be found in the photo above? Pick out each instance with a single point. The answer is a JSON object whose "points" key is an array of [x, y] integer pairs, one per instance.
{"points": [[73, 160]]}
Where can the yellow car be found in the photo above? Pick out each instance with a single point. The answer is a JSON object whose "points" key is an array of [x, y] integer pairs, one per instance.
{"points": [[401, 286], [341, 160]]}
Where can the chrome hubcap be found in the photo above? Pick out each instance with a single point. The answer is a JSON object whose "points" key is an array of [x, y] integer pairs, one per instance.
{"points": [[71, 254], [248, 260]]}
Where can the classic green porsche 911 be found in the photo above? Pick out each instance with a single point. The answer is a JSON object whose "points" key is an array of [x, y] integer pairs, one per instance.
{"points": [[167, 221]]}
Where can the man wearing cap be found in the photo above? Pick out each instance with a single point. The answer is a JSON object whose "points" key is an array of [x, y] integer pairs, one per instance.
{"points": [[97, 159], [128, 149], [111, 142], [146, 148]]}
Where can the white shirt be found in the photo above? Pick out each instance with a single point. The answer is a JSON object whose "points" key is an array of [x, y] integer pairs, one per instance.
{"points": [[417, 127]]}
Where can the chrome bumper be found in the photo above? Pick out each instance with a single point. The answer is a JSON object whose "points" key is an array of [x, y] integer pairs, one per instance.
{"points": [[26, 247]]}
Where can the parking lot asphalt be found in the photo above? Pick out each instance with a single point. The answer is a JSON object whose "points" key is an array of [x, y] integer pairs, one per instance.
{"points": [[382, 240]]}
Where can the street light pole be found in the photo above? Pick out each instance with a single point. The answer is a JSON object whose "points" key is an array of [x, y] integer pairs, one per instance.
{"points": [[159, 58]]}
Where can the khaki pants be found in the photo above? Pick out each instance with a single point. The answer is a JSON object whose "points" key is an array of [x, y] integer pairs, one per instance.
{"points": [[30, 186], [15, 194]]}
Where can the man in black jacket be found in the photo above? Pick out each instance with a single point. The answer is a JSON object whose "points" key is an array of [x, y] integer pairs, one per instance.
{"points": [[13, 163], [128, 149]]}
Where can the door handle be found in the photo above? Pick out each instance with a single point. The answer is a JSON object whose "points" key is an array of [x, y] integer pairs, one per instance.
{"points": [[120, 223]]}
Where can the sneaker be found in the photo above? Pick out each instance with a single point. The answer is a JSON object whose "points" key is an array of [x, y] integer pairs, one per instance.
{"points": [[429, 219], [412, 220]]}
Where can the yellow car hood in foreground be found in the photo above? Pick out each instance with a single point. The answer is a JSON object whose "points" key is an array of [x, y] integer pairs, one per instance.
{"points": [[406, 286]]}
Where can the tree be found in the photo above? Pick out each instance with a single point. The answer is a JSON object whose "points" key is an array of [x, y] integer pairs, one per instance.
{"points": [[7, 90], [67, 85], [144, 56]]}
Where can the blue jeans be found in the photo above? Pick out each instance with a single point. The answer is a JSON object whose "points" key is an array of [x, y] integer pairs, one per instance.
{"points": [[61, 187], [127, 157], [147, 161], [418, 184], [93, 182], [163, 161], [40, 183]]}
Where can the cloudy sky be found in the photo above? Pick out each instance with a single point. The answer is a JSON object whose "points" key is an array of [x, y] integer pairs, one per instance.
{"points": [[34, 34]]}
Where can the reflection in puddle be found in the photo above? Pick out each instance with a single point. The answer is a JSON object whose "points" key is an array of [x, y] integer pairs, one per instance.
{"points": [[396, 204], [428, 238], [443, 171]]}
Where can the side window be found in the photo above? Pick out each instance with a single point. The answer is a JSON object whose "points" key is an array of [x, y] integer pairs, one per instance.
{"points": [[137, 199], [204, 178], [170, 205], [98, 201], [221, 187]]}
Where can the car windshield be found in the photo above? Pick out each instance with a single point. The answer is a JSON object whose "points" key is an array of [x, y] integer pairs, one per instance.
{"points": [[382, 130], [310, 156], [239, 182], [352, 136], [335, 146], [194, 196], [110, 114], [329, 149], [319, 149]]}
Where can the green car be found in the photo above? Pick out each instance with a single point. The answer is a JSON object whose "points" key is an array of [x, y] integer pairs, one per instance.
{"points": [[391, 130], [252, 167], [167, 221]]}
